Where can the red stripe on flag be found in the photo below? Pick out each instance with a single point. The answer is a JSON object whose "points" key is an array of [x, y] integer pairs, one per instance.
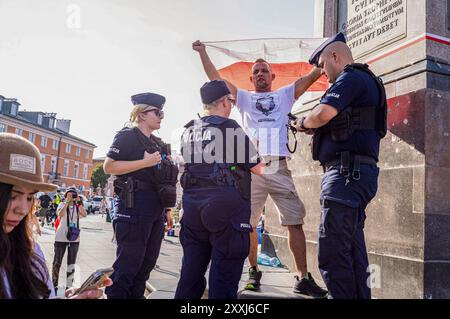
{"points": [[285, 73]]}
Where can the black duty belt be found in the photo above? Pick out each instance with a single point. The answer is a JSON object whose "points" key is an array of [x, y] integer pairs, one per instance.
{"points": [[137, 185], [346, 159], [143, 186], [195, 182]]}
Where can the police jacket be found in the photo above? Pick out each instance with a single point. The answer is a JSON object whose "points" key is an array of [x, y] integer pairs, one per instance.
{"points": [[129, 144], [213, 146], [359, 97]]}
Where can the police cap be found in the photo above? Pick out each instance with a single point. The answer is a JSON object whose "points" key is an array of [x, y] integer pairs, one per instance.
{"points": [[316, 55], [214, 90], [152, 99]]}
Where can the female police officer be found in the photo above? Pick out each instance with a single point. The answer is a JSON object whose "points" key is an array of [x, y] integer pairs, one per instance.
{"points": [[134, 157], [216, 199]]}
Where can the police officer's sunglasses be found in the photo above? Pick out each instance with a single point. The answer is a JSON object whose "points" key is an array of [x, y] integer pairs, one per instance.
{"points": [[159, 113]]}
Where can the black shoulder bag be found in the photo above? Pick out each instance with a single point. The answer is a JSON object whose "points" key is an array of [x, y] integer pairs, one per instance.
{"points": [[73, 232]]}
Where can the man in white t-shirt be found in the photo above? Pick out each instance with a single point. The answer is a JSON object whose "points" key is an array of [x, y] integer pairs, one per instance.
{"points": [[265, 119]]}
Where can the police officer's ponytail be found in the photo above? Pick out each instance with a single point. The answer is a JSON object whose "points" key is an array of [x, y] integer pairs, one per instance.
{"points": [[138, 109]]}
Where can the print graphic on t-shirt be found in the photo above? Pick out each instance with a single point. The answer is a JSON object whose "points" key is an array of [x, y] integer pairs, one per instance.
{"points": [[266, 105]]}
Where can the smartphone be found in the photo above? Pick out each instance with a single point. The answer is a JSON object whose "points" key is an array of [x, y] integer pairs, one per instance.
{"points": [[95, 280]]}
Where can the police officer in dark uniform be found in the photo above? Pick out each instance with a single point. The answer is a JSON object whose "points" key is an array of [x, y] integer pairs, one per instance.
{"points": [[215, 225], [347, 126], [145, 185]]}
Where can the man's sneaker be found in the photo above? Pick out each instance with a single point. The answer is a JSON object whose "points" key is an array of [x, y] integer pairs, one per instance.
{"points": [[307, 286], [254, 279]]}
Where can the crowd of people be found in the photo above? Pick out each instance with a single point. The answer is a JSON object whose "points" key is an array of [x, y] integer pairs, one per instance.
{"points": [[229, 172]]}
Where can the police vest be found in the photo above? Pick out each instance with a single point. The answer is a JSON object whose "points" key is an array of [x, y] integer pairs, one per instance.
{"points": [[351, 119], [199, 140], [164, 176]]}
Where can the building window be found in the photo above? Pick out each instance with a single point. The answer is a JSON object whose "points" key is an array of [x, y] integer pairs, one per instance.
{"points": [[43, 141], [2, 128], [14, 109], [68, 148], [87, 154], [77, 151], [31, 137], [42, 163], [85, 171], [19, 131], [51, 123], [53, 165], [55, 144], [66, 168], [75, 170], [39, 119]]}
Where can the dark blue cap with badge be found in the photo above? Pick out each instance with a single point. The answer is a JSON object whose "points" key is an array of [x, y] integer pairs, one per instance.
{"points": [[340, 37], [152, 99], [214, 90]]}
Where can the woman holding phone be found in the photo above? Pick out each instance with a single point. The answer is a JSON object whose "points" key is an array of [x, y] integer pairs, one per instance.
{"points": [[23, 272]]}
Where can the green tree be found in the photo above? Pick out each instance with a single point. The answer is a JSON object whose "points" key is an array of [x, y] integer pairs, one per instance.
{"points": [[99, 176]]}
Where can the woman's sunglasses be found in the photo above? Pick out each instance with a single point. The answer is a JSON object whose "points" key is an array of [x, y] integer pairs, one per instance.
{"points": [[159, 113]]}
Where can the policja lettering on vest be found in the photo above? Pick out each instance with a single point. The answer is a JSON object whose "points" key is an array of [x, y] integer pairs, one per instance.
{"points": [[347, 125], [197, 136]]}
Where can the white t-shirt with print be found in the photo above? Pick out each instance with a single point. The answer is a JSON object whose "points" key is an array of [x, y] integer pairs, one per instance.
{"points": [[265, 120], [61, 233]]}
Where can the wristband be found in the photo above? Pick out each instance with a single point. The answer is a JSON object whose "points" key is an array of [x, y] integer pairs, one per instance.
{"points": [[301, 124]]}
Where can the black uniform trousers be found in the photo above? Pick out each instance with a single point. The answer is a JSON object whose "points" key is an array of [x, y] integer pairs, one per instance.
{"points": [[139, 232]]}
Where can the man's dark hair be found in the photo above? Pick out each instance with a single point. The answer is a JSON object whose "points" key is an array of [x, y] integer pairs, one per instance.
{"points": [[260, 60]]}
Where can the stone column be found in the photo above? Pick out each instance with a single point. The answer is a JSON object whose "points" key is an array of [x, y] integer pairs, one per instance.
{"points": [[408, 222]]}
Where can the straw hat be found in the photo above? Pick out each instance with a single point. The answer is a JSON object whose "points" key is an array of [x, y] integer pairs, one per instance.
{"points": [[20, 163]]}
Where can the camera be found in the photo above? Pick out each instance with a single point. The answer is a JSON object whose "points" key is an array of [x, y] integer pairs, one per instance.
{"points": [[73, 193], [292, 119]]}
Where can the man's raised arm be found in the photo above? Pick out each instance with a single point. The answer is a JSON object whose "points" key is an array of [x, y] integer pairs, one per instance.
{"points": [[303, 83], [209, 67]]}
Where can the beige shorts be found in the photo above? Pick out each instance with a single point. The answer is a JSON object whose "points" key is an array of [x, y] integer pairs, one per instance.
{"points": [[277, 182]]}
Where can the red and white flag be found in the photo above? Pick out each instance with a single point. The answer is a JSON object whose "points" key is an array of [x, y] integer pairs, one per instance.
{"points": [[288, 58]]}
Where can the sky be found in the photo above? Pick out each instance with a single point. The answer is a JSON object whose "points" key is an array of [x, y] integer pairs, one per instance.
{"points": [[84, 59]]}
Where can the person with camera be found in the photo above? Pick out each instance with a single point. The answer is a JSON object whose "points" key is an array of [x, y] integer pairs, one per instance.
{"points": [[67, 235], [145, 185], [23, 271]]}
